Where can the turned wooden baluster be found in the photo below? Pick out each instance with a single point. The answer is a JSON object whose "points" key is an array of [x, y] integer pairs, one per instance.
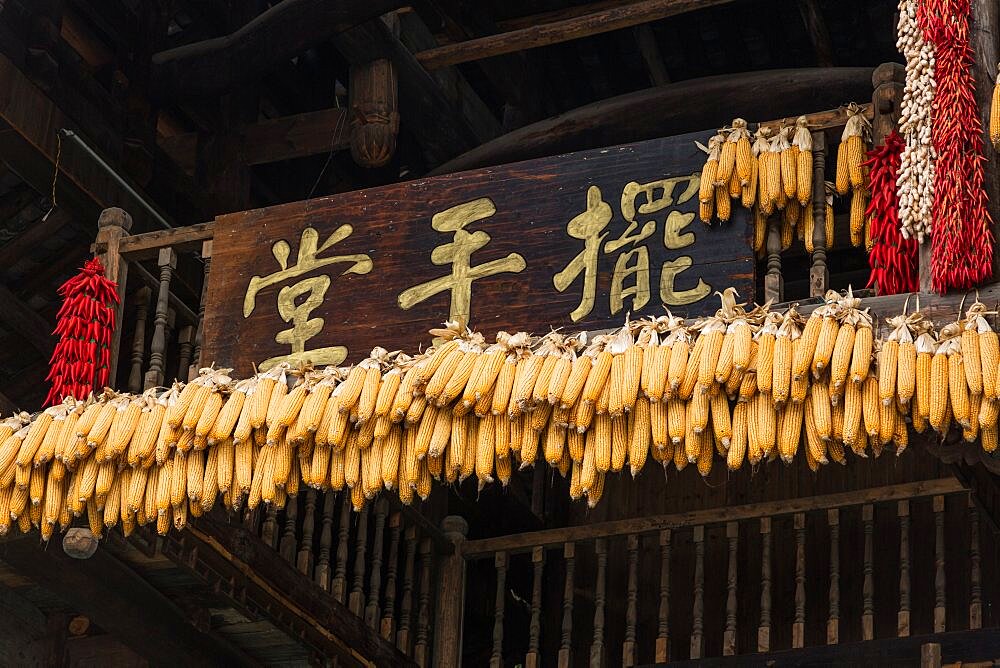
{"points": [[833, 622], [167, 261], [206, 256], [338, 588], [269, 529], [406, 601], [500, 564], [185, 344], [975, 572], [287, 548], [566, 639], [304, 560], [389, 610], [774, 283], [421, 647], [799, 625], [356, 600], [903, 618], [325, 540], [533, 658], [169, 333], [729, 636], [631, 611], [375, 584], [698, 608], [142, 297], [868, 588], [819, 274], [600, 588], [663, 628], [939, 599], [764, 630]]}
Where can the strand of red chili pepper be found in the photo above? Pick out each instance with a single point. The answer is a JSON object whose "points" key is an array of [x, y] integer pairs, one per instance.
{"points": [[893, 259], [80, 361], [962, 248]]}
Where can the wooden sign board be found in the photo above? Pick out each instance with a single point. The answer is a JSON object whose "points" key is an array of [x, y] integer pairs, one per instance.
{"points": [[574, 241]]}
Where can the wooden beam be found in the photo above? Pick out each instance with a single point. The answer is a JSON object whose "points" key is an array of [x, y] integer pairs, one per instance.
{"points": [[522, 542], [273, 140], [595, 23], [425, 111], [677, 108], [650, 51], [146, 246], [984, 34], [819, 35], [955, 648], [214, 66], [821, 120], [20, 318], [42, 230], [415, 34], [261, 571], [120, 602], [573, 11]]}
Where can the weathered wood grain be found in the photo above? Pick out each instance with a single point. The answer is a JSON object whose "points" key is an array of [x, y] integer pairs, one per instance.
{"points": [[534, 203]]}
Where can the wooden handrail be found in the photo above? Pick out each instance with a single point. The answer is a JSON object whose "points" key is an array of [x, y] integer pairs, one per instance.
{"points": [[523, 542], [146, 246]]}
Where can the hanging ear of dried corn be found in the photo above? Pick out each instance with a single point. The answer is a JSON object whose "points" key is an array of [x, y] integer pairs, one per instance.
{"points": [[743, 385]]}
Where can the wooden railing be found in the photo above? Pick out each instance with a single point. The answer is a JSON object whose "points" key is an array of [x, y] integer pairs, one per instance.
{"points": [[165, 331], [382, 563], [674, 587]]}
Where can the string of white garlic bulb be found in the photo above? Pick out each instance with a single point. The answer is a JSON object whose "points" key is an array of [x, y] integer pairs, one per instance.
{"points": [[915, 183]]}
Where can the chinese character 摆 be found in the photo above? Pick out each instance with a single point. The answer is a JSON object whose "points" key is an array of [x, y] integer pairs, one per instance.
{"points": [[631, 275]]}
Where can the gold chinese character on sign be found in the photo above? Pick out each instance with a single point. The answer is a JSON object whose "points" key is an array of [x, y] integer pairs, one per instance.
{"points": [[631, 275], [458, 253], [297, 301]]}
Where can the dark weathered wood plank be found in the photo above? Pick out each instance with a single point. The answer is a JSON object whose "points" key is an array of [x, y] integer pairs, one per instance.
{"points": [[579, 238], [484, 547], [543, 34], [210, 67], [26, 322], [120, 602], [274, 139], [674, 109]]}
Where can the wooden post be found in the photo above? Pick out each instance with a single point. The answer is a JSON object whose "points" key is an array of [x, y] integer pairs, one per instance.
{"points": [[729, 636], [799, 623], [774, 284], [868, 586], [112, 226], [374, 112], [764, 630], [167, 262], [631, 607], [819, 274], [903, 618], [197, 362], [533, 658], [375, 582], [887, 98], [930, 655], [500, 564], [975, 570], [833, 622], [698, 607], [600, 589], [566, 631], [389, 609], [663, 627], [450, 608], [139, 339], [983, 33], [939, 573]]}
